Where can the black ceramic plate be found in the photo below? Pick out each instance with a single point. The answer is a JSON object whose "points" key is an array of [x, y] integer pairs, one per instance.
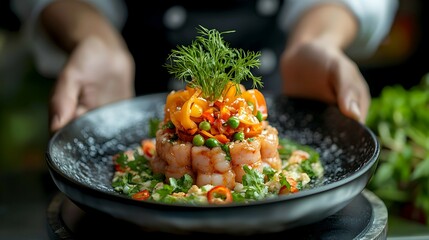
{"points": [[79, 160]]}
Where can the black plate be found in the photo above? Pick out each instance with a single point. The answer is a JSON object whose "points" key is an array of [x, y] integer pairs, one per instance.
{"points": [[79, 161]]}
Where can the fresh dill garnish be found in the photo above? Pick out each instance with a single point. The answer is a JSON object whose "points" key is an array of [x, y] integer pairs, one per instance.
{"points": [[209, 64]]}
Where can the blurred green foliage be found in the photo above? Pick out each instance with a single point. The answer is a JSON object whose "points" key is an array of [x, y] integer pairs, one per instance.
{"points": [[400, 119], [23, 117]]}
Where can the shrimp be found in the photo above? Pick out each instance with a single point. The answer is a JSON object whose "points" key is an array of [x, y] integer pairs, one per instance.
{"points": [[269, 148], [245, 153], [157, 164], [175, 154], [177, 172], [212, 167], [298, 156], [148, 149]]}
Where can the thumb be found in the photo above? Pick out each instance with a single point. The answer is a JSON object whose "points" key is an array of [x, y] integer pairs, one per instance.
{"points": [[353, 101], [353, 97], [63, 104]]}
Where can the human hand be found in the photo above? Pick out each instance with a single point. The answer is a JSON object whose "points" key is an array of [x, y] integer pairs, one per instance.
{"points": [[96, 73], [320, 71]]}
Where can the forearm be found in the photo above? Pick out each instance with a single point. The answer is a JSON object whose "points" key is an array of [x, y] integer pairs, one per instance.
{"points": [[374, 20], [68, 22], [332, 24]]}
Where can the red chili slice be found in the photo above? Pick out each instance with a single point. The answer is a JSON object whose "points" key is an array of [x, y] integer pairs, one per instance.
{"points": [[219, 195], [142, 195], [118, 168], [208, 115], [284, 190], [149, 148]]}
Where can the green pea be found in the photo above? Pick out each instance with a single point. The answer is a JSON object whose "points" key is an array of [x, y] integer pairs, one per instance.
{"points": [[239, 136], [212, 142], [259, 116], [198, 140], [204, 125], [233, 122]]}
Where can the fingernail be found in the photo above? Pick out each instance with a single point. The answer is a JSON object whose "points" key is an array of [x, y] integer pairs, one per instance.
{"points": [[354, 109]]}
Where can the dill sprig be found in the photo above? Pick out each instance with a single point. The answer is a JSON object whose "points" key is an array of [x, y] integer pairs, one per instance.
{"points": [[209, 64]]}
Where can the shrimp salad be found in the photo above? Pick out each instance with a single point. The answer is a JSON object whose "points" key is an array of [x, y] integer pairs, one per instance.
{"points": [[214, 144]]}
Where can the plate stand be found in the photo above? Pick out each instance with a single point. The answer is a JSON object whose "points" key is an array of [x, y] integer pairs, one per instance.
{"points": [[365, 217]]}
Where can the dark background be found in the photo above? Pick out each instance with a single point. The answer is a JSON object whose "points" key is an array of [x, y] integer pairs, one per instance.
{"points": [[402, 57], [25, 186]]}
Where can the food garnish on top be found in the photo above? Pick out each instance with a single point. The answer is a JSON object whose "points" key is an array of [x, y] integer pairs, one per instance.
{"points": [[214, 104]]}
